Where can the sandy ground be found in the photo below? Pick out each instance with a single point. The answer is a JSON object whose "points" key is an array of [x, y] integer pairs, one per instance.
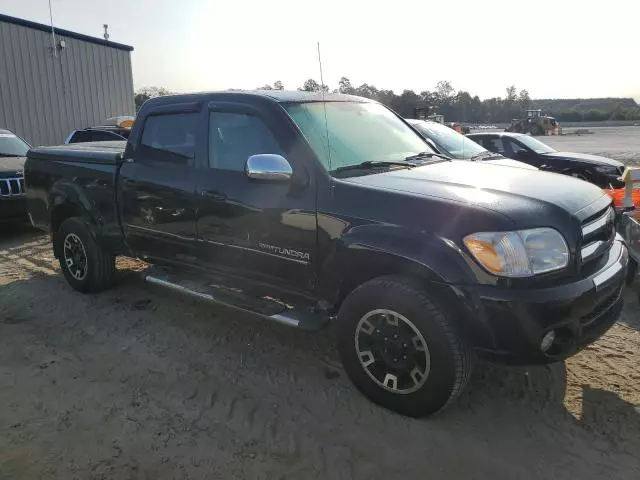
{"points": [[140, 383]]}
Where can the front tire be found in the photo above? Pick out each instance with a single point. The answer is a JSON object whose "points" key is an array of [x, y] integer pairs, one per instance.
{"points": [[85, 264], [400, 349]]}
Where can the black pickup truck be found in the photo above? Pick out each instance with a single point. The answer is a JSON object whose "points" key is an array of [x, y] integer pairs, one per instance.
{"points": [[307, 210]]}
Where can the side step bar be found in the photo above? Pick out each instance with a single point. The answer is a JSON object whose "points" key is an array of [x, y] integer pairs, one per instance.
{"points": [[305, 318]]}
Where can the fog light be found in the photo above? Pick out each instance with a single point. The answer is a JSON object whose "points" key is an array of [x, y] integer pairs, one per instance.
{"points": [[547, 340]]}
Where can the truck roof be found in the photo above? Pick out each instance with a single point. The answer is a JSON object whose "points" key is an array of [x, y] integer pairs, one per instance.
{"points": [[499, 134], [280, 96]]}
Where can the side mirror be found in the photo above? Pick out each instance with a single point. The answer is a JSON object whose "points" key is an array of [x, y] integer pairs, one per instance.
{"points": [[268, 166]]}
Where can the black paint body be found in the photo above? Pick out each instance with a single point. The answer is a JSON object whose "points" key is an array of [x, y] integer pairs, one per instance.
{"points": [[318, 237]]}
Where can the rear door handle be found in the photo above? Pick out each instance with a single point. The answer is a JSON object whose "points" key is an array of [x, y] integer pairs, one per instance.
{"points": [[214, 195]]}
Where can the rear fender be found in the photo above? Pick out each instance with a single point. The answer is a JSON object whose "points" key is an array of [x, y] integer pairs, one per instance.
{"points": [[66, 200]]}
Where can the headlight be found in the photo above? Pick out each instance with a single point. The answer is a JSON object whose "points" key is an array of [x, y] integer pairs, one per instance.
{"points": [[607, 170], [522, 253]]}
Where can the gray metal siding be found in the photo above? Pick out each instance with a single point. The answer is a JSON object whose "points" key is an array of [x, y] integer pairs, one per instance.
{"points": [[43, 98]]}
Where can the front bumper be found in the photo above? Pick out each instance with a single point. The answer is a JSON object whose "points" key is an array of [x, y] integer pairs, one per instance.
{"points": [[13, 209], [515, 321]]}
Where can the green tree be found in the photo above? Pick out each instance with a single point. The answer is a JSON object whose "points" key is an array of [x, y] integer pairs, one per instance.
{"points": [[344, 86], [367, 91], [524, 99], [444, 92], [312, 86], [145, 93], [278, 85]]}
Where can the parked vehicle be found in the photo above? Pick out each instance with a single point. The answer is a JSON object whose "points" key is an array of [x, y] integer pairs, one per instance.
{"points": [[304, 210], [534, 123], [601, 171], [455, 145], [13, 151], [113, 129]]}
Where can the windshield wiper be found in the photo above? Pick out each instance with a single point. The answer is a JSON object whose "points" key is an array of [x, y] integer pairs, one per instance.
{"points": [[372, 164], [425, 155], [484, 155]]}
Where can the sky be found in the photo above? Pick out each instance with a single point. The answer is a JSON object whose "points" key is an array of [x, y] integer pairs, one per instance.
{"points": [[556, 49]]}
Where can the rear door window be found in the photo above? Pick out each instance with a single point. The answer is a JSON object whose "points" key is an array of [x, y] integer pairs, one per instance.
{"points": [[169, 138], [495, 144]]}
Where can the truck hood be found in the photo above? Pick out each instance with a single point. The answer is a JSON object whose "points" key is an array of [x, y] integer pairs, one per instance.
{"points": [[11, 165], [491, 186], [584, 157]]}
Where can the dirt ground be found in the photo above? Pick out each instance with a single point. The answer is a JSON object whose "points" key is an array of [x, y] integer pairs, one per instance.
{"points": [[141, 383]]}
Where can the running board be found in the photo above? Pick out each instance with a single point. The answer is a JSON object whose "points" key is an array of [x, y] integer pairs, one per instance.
{"points": [[302, 317]]}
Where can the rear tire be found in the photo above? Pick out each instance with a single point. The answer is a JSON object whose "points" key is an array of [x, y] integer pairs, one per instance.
{"points": [[400, 349], [85, 264]]}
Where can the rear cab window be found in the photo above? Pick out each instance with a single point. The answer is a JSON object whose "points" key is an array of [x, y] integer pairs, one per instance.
{"points": [[82, 136]]}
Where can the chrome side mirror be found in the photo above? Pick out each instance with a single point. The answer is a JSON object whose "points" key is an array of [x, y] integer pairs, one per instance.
{"points": [[268, 166]]}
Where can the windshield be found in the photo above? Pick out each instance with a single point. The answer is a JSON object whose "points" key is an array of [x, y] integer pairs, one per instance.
{"points": [[448, 140], [358, 132], [535, 145], [12, 146]]}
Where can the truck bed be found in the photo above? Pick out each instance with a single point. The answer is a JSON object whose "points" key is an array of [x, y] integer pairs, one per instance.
{"points": [[83, 174], [91, 152]]}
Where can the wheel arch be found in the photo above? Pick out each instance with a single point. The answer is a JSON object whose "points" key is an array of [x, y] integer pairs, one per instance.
{"points": [[67, 201]]}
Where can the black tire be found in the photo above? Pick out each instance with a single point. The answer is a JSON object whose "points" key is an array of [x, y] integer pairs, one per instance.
{"points": [[450, 358], [100, 264]]}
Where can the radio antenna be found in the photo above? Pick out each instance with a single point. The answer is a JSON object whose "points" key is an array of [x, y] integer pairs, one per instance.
{"points": [[324, 105], [53, 32]]}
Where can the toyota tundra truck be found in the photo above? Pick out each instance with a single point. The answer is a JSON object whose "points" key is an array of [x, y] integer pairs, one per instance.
{"points": [[309, 209]]}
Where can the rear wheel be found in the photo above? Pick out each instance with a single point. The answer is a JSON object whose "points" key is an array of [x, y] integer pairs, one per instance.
{"points": [[85, 264], [400, 349]]}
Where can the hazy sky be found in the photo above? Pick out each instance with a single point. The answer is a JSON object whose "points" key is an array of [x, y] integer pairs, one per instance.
{"points": [[554, 49]]}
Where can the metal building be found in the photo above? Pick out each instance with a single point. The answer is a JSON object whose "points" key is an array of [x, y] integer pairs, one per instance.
{"points": [[52, 83]]}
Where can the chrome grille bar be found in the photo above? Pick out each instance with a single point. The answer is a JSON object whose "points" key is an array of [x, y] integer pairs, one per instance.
{"points": [[598, 223], [11, 187]]}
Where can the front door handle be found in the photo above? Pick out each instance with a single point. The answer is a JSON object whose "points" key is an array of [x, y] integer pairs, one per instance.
{"points": [[214, 195]]}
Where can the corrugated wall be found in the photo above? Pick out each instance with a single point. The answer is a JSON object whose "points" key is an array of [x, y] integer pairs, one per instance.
{"points": [[43, 98]]}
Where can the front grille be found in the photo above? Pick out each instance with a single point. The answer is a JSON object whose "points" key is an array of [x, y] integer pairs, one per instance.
{"points": [[11, 187], [598, 233], [601, 309]]}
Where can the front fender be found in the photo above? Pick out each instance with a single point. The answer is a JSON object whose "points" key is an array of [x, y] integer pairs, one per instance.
{"points": [[369, 251]]}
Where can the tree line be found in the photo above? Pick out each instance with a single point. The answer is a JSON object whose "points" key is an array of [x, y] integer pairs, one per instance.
{"points": [[454, 105]]}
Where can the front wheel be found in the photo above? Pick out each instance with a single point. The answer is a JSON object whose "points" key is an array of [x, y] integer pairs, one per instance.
{"points": [[400, 349]]}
